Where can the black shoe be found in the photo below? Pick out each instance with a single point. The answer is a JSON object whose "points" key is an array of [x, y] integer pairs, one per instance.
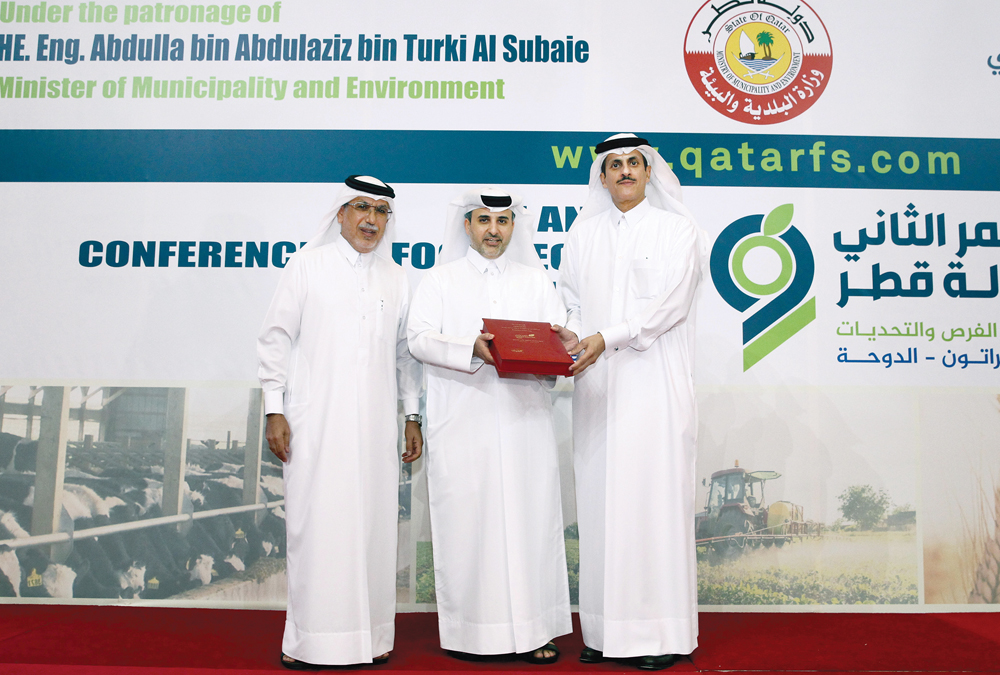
{"points": [[380, 660], [589, 655], [655, 662], [541, 660]]}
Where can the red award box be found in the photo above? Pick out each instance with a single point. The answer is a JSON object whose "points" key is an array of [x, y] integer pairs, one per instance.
{"points": [[527, 347]]}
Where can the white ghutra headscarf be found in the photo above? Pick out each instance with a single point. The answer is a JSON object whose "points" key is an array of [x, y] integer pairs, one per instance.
{"points": [[520, 248], [354, 187], [663, 189]]}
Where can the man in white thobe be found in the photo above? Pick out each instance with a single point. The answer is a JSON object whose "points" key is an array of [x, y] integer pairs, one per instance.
{"points": [[492, 463], [333, 360], [631, 265]]}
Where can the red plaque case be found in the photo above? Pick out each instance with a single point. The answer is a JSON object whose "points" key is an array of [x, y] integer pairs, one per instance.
{"points": [[527, 347]]}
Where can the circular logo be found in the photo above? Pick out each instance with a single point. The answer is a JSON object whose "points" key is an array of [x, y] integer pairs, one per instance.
{"points": [[758, 62]]}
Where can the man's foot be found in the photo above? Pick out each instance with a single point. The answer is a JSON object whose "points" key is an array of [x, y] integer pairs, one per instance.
{"points": [[465, 656], [589, 655], [655, 662], [294, 664], [542, 656]]}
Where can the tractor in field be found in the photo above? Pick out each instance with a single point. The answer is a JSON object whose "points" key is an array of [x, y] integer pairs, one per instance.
{"points": [[736, 514]]}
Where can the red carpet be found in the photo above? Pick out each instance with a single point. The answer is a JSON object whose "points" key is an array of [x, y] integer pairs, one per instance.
{"points": [[38, 640]]}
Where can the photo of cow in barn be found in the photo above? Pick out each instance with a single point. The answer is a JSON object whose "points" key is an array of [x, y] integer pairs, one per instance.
{"points": [[127, 517]]}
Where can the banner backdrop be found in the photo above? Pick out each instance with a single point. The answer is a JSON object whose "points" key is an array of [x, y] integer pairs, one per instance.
{"points": [[160, 163]]}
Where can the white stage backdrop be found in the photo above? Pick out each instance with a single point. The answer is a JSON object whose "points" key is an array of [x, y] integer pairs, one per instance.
{"points": [[160, 163]]}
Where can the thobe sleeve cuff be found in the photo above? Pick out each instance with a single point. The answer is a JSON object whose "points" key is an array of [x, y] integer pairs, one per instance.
{"points": [[574, 324], [274, 402], [411, 406], [616, 337], [464, 348]]}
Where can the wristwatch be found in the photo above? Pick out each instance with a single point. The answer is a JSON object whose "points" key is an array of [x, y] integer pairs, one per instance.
{"points": [[415, 418]]}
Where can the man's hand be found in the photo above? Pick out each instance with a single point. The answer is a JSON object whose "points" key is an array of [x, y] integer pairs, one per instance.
{"points": [[566, 336], [482, 349], [413, 442], [278, 435], [589, 349]]}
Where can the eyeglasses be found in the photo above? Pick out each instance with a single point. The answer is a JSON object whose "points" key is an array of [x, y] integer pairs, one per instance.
{"points": [[381, 212]]}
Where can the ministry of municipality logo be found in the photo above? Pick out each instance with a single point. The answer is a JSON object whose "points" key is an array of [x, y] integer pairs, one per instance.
{"points": [[786, 310], [757, 61]]}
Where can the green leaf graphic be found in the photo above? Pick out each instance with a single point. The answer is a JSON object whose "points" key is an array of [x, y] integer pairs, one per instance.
{"points": [[778, 220]]}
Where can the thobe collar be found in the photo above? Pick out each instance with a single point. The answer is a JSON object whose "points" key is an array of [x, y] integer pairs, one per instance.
{"points": [[633, 215], [349, 252], [482, 264]]}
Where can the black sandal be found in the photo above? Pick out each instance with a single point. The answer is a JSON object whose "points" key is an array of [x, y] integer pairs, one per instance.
{"points": [[294, 664], [478, 658], [530, 657]]}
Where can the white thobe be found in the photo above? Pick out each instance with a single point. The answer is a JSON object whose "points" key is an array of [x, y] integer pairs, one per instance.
{"points": [[331, 350], [492, 463], [632, 277]]}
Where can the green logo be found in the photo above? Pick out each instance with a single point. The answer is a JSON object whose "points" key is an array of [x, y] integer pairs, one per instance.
{"points": [[787, 311]]}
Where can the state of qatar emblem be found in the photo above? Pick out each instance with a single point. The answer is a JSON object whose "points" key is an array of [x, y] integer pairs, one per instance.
{"points": [[756, 61]]}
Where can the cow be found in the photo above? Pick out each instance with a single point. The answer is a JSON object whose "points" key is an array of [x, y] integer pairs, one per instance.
{"points": [[154, 562]]}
